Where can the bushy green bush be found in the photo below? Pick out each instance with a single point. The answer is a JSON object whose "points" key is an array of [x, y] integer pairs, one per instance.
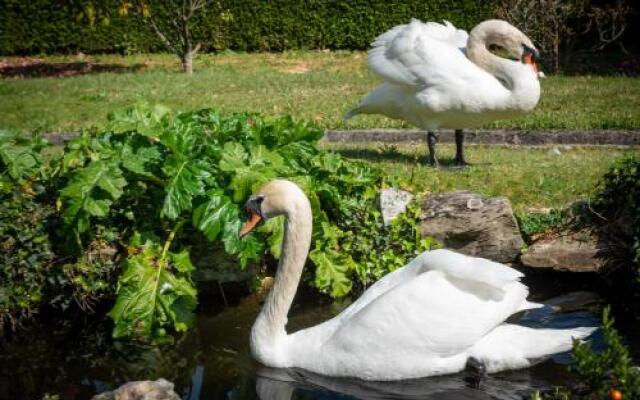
{"points": [[25, 251], [26, 257], [619, 202], [132, 198], [33, 271], [538, 222], [42, 26], [601, 373], [611, 369]]}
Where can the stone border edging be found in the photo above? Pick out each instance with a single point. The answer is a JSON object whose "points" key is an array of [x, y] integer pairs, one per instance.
{"points": [[595, 137]]}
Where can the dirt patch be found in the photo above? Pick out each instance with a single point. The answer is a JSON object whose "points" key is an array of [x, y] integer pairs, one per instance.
{"points": [[300, 68], [31, 67]]}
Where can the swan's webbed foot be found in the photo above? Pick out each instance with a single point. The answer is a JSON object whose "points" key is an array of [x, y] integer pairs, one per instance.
{"points": [[460, 161], [474, 371], [432, 139]]}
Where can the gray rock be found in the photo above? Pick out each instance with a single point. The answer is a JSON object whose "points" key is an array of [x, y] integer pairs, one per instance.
{"points": [[569, 251], [574, 301], [161, 389], [392, 203], [473, 225]]}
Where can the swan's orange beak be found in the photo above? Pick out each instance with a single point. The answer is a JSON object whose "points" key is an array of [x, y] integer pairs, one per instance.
{"points": [[253, 221], [529, 59]]}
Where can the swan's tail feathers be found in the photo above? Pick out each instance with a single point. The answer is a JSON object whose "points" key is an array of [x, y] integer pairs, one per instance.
{"points": [[529, 305], [513, 346], [350, 114]]}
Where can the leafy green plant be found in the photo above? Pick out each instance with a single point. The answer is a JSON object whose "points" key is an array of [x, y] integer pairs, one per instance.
{"points": [[364, 248], [534, 223], [133, 198], [224, 24], [19, 158], [154, 172], [610, 369], [26, 256], [619, 200], [602, 374], [155, 290], [558, 393]]}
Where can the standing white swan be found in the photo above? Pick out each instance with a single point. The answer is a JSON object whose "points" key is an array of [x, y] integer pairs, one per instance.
{"points": [[427, 318], [431, 83]]}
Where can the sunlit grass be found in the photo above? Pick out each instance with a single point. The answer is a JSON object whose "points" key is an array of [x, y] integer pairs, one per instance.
{"points": [[528, 177], [314, 85]]}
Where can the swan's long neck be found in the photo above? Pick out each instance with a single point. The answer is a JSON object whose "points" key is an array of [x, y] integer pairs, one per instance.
{"points": [[521, 81], [269, 331]]}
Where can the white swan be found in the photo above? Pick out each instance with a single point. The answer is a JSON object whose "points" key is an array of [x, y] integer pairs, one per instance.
{"points": [[427, 318], [429, 82]]}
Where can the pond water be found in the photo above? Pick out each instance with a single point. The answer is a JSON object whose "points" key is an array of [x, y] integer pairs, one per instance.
{"points": [[213, 362]]}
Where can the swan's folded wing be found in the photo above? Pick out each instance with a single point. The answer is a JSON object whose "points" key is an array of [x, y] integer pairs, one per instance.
{"points": [[433, 314], [481, 276], [418, 53], [466, 268]]}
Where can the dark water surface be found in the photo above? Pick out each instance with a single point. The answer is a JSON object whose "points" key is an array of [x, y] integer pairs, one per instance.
{"points": [[213, 362]]}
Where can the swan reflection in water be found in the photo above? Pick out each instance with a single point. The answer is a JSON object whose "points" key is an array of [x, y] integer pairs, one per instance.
{"points": [[283, 384]]}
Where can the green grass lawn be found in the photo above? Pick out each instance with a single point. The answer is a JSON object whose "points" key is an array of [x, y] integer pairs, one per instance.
{"points": [[529, 177], [322, 86], [319, 86]]}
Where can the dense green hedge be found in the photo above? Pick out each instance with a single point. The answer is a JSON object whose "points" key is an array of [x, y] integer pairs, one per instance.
{"points": [[46, 26]]}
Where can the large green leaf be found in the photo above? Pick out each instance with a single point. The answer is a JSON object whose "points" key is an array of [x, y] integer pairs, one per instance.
{"points": [[211, 216], [185, 181], [142, 118], [248, 179], [260, 156], [275, 229], [151, 297], [17, 158], [233, 158], [139, 160], [91, 192], [332, 269]]}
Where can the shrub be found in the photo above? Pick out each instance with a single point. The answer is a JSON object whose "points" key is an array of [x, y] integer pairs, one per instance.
{"points": [[601, 373], [42, 26], [619, 202], [134, 196], [610, 369], [26, 257]]}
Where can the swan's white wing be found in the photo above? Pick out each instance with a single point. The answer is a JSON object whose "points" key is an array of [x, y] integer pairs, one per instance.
{"points": [[494, 275], [451, 304], [411, 54]]}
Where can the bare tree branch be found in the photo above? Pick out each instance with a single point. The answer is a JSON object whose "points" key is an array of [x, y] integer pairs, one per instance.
{"points": [[162, 37], [174, 31]]}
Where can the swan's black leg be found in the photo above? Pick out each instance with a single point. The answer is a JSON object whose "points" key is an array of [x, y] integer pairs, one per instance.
{"points": [[475, 371], [432, 139], [459, 151]]}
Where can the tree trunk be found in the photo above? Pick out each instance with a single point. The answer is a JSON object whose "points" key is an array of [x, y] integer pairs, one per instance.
{"points": [[188, 56], [187, 62]]}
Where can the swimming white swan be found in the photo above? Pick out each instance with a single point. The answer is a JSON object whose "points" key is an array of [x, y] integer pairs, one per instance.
{"points": [[431, 83], [427, 318]]}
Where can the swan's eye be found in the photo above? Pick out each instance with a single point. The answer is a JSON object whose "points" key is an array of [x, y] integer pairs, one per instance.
{"points": [[253, 205]]}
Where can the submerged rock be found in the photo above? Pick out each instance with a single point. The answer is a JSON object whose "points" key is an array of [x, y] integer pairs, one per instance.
{"points": [[473, 225], [393, 202], [574, 301], [580, 251], [160, 389]]}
